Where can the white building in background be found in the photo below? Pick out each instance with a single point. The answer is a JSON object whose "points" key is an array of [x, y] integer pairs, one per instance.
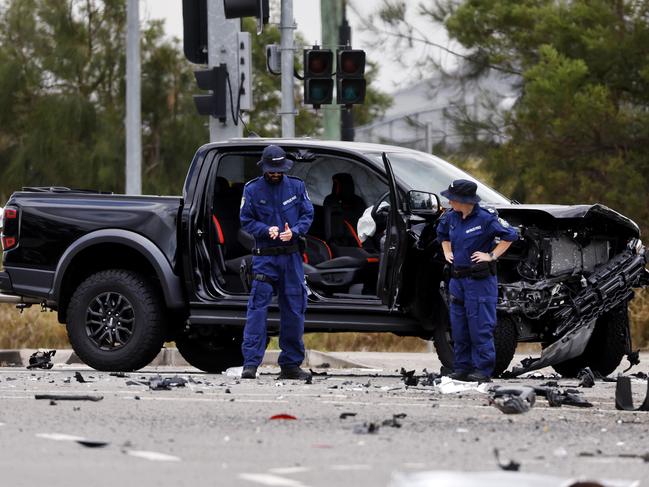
{"points": [[419, 116]]}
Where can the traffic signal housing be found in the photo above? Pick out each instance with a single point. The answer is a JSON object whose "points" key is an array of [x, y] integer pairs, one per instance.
{"points": [[214, 80], [318, 70], [195, 31], [235, 9], [350, 76]]}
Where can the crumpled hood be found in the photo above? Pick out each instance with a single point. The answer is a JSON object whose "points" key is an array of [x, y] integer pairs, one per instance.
{"points": [[596, 212]]}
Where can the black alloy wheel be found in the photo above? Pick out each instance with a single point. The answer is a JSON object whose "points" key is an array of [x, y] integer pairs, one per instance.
{"points": [[110, 321]]}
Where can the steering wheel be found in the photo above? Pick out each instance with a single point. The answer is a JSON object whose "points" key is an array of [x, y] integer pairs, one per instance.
{"points": [[384, 197]]}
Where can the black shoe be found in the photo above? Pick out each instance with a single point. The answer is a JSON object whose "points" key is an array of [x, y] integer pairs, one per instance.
{"points": [[249, 372], [478, 377], [460, 375], [294, 373]]}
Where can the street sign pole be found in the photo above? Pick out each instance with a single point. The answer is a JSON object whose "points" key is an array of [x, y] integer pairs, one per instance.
{"points": [[223, 47], [287, 48]]}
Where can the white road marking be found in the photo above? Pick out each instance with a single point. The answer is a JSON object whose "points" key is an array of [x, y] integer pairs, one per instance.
{"points": [[268, 479], [59, 437], [153, 456]]}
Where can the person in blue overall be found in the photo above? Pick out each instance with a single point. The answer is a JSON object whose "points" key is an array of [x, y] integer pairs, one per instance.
{"points": [[276, 210], [467, 234]]}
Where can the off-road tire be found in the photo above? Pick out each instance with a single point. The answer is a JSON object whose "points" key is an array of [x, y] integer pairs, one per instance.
{"points": [[606, 347], [213, 353], [505, 341], [148, 332]]}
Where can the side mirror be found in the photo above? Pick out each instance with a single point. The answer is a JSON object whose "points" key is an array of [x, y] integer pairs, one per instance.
{"points": [[422, 203]]}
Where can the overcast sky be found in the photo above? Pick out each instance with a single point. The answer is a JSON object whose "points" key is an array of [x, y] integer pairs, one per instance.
{"points": [[307, 17]]}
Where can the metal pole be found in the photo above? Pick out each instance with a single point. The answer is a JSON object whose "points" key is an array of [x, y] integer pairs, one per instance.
{"points": [[287, 48], [331, 13], [133, 108], [429, 137], [222, 47]]}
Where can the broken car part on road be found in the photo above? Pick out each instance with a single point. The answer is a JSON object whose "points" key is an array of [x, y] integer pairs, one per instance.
{"points": [[624, 397]]}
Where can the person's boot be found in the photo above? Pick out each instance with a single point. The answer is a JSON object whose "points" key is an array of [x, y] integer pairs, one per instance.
{"points": [[460, 375], [476, 376], [293, 373], [249, 372]]}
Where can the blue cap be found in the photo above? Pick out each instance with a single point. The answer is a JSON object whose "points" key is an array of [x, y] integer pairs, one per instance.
{"points": [[273, 159], [462, 190]]}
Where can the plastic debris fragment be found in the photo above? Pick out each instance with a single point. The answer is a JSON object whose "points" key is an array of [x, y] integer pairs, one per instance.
{"points": [[41, 360]]}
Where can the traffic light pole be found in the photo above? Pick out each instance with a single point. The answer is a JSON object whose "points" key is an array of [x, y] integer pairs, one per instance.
{"points": [[287, 48], [222, 46]]}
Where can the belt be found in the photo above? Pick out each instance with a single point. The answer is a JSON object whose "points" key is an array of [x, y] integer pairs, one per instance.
{"points": [[284, 249], [476, 271]]}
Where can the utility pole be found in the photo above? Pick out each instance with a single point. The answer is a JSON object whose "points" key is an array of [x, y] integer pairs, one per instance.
{"points": [[133, 105], [222, 48], [287, 48], [331, 13]]}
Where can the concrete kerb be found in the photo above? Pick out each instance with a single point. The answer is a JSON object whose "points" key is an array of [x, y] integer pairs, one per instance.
{"points": [[171, 357]]}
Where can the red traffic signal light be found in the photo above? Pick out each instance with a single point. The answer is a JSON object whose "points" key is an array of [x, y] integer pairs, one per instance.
{"points": [[318, 69], [351, 86]]}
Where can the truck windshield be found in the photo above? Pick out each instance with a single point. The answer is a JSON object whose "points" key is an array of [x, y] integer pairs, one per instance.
{"points": [[424, 172]]}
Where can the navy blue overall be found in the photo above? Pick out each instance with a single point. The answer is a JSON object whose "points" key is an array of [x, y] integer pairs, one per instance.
{"points": [[473, 301], [265, 205]]}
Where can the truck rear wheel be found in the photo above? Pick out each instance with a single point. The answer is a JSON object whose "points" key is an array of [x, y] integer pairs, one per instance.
{"points": [[213, 353], [606, 347], [115, 321]]}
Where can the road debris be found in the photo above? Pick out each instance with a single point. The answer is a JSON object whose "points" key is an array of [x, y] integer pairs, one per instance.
{"points": [[562, 397], [314, 373], [283, 416], [512, 466], [92, 443], [234, 371], [393, 423], [366, 429], [71, 397], [408, 377], [152, 455], [641, 456], [118, 374], [586, 377], [166, 383], [347, 415], [513, 400], [79, 378], [624, 397], [41, 360]]}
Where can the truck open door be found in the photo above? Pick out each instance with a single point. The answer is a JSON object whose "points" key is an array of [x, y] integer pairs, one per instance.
{"points": [[393, 250]]}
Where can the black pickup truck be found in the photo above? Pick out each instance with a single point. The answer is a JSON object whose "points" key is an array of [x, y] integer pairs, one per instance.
{"points": [[127, 273]]}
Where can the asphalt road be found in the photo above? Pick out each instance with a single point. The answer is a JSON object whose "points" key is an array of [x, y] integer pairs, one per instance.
{"points": [[217, 431]]}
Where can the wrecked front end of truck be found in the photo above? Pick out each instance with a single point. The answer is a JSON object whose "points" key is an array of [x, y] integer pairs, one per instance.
{"points": [[567, 283]]}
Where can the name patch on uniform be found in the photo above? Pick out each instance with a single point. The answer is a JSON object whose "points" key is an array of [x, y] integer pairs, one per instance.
{"points": [[292, 198], [474, 229]]}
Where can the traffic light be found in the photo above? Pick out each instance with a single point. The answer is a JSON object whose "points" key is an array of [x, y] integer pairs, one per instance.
{"points": [[195, 31], [214, 103], [235, 9], [351, 84], [318, 69]]}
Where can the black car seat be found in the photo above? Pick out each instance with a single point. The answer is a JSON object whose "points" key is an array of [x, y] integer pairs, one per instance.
{"points": [[342, 209]]}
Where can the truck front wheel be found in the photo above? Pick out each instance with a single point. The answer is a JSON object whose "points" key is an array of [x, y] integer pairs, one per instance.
{"points": [[115, 321]]}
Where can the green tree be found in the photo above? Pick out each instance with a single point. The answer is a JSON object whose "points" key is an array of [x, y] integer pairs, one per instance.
{"points": [[579, 129]]}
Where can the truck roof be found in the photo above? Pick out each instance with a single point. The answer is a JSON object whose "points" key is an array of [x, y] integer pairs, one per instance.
{"points": [[358, 147]]}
